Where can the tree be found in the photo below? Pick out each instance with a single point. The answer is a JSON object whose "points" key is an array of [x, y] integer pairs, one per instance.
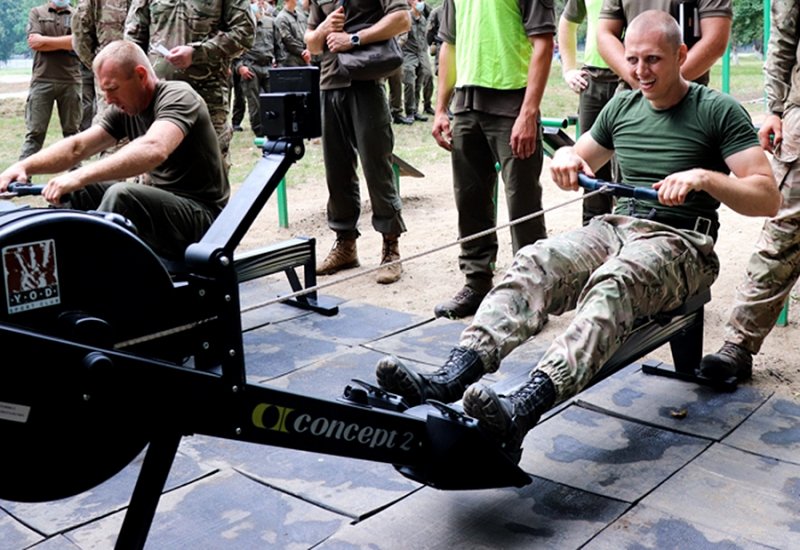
{"points": [[748, 23], [13, 19]]}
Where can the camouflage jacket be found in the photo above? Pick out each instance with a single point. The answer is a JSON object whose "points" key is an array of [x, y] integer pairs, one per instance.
{"points": [[218, 30], [95, 24], [783, 54]]}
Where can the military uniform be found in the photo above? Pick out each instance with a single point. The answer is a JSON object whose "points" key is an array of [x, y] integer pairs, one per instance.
{"points": [[483, 120], [619, 267], [56, 78], [96, 24], [355, 121], [291, 29], [416, 68], [432, 35], [218, 30], [774, 267], [258, 59]]}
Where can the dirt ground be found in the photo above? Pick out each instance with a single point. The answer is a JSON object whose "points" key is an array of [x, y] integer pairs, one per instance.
{"points": [[429, 212]]}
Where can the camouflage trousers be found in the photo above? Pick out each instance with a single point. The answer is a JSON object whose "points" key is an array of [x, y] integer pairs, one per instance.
{"points": [[612, 271], [774, 266]]}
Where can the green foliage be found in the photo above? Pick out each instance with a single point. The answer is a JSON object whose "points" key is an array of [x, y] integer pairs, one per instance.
{"points": [[748, 23], [13, 19]]}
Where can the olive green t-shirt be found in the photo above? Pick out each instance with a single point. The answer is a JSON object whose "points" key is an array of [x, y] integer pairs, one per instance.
{"points": [[701, 131], [194, 169]]}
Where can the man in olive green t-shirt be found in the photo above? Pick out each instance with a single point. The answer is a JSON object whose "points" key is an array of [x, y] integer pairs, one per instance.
{"points": [[171, 138]]}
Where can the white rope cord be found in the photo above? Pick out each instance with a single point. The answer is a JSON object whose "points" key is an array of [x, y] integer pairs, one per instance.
{"points": [[423, 253]]}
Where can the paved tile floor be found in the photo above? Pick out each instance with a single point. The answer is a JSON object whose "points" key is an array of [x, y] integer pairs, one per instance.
{"points": [[633, 462]]}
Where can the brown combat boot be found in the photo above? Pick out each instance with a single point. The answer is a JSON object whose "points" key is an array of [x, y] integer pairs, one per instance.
{"points": [[391, 253], [343, 255]]}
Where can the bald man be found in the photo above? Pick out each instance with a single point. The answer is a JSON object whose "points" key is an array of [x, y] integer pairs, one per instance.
{"points": [[171, 137]]}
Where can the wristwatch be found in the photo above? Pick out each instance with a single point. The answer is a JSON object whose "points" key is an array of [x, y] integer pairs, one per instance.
{"points": [[355, 40]]}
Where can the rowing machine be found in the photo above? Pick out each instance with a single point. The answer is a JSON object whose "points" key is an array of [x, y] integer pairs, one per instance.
{"points": [[116, 354]]}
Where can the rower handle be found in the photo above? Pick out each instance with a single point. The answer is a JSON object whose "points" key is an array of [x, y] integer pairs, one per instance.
{"points": [[617, 189]]}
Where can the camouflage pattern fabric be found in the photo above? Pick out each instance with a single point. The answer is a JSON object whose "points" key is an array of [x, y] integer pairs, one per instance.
{"points": [[218, 30], [774, 266], [613, 271], [95, 24]]}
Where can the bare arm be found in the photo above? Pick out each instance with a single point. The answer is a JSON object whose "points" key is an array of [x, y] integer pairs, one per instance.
{"points": [[585, 156], [60, 156], [140, 155], [609, 43], [567, 47], [525, 130], [42, 43], [442, 132], [715, 33], [315, 37], [752, 192], [390, 25]]}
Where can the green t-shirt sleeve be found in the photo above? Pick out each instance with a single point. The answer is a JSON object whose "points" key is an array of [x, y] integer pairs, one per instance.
{"points": [[574, 11], [179, 106], [735, 126]]}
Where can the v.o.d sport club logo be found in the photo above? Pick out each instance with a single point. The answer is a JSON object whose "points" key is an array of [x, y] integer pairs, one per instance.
{"points": [[31, 275]]}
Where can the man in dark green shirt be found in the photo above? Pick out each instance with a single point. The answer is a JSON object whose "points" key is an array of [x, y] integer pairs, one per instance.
{"points": [[171, 138], [642, 260]]}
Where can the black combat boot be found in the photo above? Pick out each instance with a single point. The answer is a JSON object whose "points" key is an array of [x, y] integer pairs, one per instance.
{"points": [[510, 417], [732, 360], [446, 384]]}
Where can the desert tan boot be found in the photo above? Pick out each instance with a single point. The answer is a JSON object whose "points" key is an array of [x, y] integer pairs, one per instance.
{"points": [[343, 255], [388, 274]]}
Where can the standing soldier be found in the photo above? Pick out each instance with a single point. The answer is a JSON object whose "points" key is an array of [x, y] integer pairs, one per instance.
{"points": [[253, 67], [774, 266], [55, 77], [291, 31], [97, 23], [195, 42], [416, 73]]}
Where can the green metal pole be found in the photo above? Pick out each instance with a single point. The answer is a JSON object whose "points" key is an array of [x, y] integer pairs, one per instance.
{"points": [[767, 30], [726, 70], [283, 209]]}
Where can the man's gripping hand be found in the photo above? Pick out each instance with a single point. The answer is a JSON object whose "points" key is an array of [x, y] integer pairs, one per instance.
{"points": [[565, 166], [771, 133], [675, 188], [15, 172], [61, 186]]}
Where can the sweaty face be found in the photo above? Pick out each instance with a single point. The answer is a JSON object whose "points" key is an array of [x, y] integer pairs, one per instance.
{"points": [[656, 66], [122, 90]]}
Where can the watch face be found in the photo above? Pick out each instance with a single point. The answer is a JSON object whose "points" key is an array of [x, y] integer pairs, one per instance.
{"points": [[355, 39]]}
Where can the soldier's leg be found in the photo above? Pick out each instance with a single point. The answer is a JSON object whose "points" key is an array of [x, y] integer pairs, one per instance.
{"points": [[374, 141], [38, 109], [410, 65], [70, 108], [250, 90], [772, 270], [521, 178], [339, 155]]}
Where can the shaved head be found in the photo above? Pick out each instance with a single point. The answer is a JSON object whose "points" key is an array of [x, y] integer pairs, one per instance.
{"points": [[657, 21]]}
